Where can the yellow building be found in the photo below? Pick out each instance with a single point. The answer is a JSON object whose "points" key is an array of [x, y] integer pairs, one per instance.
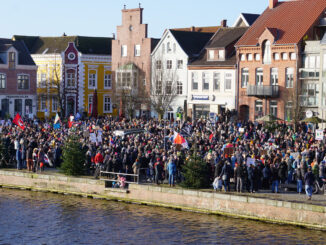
{"points": [[70, 69]]}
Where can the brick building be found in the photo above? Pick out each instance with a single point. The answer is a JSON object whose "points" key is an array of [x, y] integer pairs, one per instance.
{"points": [[131, 64], [17, 79], [269, 57]]}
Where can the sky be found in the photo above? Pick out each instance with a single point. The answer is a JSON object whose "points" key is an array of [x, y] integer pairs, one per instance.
{"points": [[100, 17]]}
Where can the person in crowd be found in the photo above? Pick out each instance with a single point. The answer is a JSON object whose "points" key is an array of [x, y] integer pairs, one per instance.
{"points": [[172, 169], [309, 180]]}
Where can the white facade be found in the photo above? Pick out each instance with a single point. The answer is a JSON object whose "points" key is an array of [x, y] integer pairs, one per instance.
{"points": [[174, 63], [211, 91]]}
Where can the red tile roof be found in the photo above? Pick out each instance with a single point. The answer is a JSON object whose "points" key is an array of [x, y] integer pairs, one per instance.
{"points": [[291, 19]]}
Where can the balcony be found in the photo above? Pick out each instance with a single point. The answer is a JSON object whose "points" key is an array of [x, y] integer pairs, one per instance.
{"points": [[308, 101], [309, 73], [263, 91]]}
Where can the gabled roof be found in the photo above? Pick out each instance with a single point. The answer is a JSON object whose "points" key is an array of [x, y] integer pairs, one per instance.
{"points": [[223, 38], [154, 42], [209, 29], [245, 19], [24, 57], [191, 42], [51, 45], [292, 19]]}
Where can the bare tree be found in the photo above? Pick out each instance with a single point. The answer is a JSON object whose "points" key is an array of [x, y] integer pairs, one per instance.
{"points": [[164, 88]]}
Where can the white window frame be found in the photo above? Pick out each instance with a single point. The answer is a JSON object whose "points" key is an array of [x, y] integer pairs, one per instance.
{"points": [[55, 101], [267, 52], [259, 76], [104, 104], [217, 81], [289, 72], [274, 76], [43, 106], [72, 78], [90, 102], [180, 64], [273, 107], [25, 76], [124, 50], [92, 77], [250, 58], [244, 74], [228, 78], [211, 54], [169, 64], [107, 79], [194, 80], [137, 50], [277, 56], [179, 88], [221, 54], [285, 56], [3, 80], [158, 64], [293, 56], [205, 81], [257, 57], [242, 57]]}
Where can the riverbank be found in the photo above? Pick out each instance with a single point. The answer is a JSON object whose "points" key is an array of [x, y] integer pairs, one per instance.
{"points": [[258, 207]]}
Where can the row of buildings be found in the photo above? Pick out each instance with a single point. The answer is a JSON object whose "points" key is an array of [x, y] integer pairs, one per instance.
{"points": [[273, 63]]}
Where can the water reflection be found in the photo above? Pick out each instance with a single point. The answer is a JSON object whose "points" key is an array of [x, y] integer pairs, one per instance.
{"points": [[44, 218]]}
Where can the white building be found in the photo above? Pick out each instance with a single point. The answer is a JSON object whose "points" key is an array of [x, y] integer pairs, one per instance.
{"points": [[171, 57], [212, 77]]}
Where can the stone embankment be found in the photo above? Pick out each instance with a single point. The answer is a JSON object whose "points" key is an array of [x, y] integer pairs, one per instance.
{"points": [[240, 206]]}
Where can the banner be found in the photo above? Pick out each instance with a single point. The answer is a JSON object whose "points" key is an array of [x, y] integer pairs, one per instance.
{"points": [[319, 134], [18, 121]]}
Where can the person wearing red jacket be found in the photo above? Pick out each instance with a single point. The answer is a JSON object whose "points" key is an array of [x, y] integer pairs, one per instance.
{"points": [[98, 164]]}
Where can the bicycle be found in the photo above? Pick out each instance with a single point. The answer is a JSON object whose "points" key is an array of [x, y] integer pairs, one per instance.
{"points": [[319, 187]]}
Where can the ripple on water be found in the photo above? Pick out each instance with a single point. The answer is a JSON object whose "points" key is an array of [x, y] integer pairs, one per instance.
{"points": [[44, 218]]}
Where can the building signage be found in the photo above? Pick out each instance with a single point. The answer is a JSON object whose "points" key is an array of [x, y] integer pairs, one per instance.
{"points": [[17, 96], [200, 97]]}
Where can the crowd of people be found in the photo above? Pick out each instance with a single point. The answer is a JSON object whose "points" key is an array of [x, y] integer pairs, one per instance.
{"points": [[248, 154]]}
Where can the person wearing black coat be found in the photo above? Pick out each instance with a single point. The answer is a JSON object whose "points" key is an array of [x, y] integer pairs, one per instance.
{"points": [[275, 178], [238, 177], [266, 176], [309, 180]]}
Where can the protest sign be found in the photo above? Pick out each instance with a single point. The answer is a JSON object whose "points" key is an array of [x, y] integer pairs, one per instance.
{"points": [[319, 134]]}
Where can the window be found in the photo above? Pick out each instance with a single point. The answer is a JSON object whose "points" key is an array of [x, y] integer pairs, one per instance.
{"points": [[107, 81], [217, 81], [42, 103], [293, 56], [90, 103], [259, 76], [169, 87], [169, 64], [158, 65], [288, 110], [221, 54], [54, 104], [258, 108], [28, 106], [71, 78], [244, 77], [137, 50], [194, 80], [267, 52], [180, 64], [274, 76], [158, 87], [2, 80], [92, 79], [205, 81], [179, 88], [273, 107], [12, 60], [284, 56], [23, 82], [309, 95], [276, 56], [124, 79], [211, 54], [249, 57], [228, 81], [41, 80], [289, 77], [242, 57], [257, 57], [107, 104], [18, 106], [168, 47], [124, 50]]}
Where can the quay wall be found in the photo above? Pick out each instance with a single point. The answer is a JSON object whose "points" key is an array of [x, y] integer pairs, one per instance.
{"points": [[238, 206]]}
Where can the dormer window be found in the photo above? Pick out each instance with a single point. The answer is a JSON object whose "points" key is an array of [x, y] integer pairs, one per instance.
{"points": [[267, 52], [12, 60], [211, 54], [221, 54]]}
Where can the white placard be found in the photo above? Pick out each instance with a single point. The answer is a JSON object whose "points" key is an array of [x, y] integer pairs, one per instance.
{"points": [[319, 134], [241, 130], [92, 137]]}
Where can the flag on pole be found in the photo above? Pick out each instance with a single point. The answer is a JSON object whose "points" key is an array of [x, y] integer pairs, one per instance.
{"points": [[18, 121], [211, 137], [179, 140], [57, 118]]}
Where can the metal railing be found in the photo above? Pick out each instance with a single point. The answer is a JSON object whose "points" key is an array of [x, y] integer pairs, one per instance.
{"points": [[262, 90]]}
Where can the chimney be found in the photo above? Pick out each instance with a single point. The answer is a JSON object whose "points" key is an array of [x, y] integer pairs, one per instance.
{"points": [[223, 23], [273, 3], [192, 28]]}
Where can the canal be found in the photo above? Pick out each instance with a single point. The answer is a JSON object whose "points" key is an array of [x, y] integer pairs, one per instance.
{"points": [[28, 217]]}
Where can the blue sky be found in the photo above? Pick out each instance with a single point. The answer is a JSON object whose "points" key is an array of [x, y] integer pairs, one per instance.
{"points": [[100, 17]]}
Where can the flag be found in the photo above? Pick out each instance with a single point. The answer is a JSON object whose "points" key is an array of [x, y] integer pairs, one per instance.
{"points": [[70, 122], [57, 118], [211, 137], [56, 126], [179, 140], [18, 121]]}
